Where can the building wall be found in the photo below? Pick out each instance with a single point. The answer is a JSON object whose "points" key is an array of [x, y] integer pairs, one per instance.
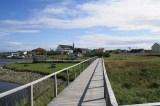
{"points": [[59, 49], [62, 50], [156, 48]]}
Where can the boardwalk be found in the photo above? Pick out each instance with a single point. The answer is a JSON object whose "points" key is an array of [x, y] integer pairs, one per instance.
{"points": [[86, 90]]}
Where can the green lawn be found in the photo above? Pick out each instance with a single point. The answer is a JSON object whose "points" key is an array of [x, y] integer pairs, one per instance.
{"points": [[44, 68], [135, 78]]}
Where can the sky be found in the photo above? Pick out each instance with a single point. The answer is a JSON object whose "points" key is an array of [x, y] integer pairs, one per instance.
{"points": [[111, 24]]}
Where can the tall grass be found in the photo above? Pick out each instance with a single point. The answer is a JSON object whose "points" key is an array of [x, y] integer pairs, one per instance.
{"points": [[135, 78]]}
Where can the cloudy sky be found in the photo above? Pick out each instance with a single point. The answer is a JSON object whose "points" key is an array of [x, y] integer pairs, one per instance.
{"points": [[112, 24]]}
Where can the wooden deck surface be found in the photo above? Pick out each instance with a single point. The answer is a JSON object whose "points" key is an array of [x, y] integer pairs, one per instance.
{"points": [[86, 90]]}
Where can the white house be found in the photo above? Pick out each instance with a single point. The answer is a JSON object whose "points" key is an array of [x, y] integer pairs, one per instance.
{"points": [[156, 48], [65, 48]]}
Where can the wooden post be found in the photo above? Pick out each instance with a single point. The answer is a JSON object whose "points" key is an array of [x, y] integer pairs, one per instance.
{"points": [[55, 85], [104, 87], [67, 75], [30, 96], [104, 81], [74, 72], [79, 69], [82, 66]]}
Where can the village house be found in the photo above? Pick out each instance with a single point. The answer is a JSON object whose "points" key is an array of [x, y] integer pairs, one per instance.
{"points": [[79, 51], [39, 51], [137, 51], [156, 48], [65, 48], [39, 54]]}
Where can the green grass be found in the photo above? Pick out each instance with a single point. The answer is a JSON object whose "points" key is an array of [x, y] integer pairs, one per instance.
{"points": [[44, 68], [135, 78]]}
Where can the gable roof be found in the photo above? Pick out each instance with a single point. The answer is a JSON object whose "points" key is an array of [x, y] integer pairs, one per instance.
{"points": [[66, 47], [39, 49], [83, 49], [136, 50], [157, 44]]}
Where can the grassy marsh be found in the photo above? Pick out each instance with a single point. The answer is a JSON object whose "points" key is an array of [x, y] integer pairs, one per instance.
{"points": [[135, 78]]}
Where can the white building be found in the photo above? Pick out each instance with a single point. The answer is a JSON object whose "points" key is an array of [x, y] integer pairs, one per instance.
{"points": [[156, 48], [65, 48]]}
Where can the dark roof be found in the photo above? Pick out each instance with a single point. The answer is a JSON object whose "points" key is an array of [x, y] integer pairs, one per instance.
{"points": [[66, 47], [83, 49], [80, 50], [136, 50], [157, 44], [39, 49]]}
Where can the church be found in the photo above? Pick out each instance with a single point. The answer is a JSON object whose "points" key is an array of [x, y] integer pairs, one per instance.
{"points": [[65, 48]]}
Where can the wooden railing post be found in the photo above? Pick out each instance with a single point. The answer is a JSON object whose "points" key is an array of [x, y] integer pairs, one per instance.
{"points": [[104, 82], [55, 85], [74, 72], [30, 96], [67, 75], [79, 69], [83, 66]]}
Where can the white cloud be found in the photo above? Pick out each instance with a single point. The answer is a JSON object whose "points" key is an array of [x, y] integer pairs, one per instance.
{"points": [[15, 43], [115, 42], [118, 14]]}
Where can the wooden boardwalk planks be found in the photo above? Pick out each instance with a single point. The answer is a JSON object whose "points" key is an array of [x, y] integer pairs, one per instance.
{"points": [[86, 90]]}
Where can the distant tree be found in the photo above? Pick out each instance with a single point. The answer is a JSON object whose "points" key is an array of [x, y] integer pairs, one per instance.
{"points": [[51, 52], [97, 53], [3, 55], [116, 51], [106, 54]]}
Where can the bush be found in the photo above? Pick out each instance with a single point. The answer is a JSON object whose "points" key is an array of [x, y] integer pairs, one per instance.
{"points": [[95, 53], [106, 54]]}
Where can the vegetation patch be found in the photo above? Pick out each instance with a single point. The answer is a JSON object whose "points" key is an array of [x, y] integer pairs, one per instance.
{"points": [[135, 78], [43, 68]]}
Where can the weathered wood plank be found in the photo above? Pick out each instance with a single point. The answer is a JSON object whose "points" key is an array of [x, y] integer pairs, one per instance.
{"points": [[86, 90]]}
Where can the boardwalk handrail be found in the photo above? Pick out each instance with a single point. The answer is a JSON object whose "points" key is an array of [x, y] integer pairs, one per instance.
{"points": [[108, 92], [30, 85]]}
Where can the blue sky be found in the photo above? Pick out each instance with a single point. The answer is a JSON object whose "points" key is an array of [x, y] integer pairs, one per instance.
{"points": [[112, 24]]}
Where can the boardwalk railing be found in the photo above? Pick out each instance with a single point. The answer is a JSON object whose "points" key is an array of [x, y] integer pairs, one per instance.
{"points": [[108, 92], [31, 84]]}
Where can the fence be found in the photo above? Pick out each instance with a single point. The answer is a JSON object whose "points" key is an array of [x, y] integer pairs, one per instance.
{"points": [[30, 85], [108, 92]]}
